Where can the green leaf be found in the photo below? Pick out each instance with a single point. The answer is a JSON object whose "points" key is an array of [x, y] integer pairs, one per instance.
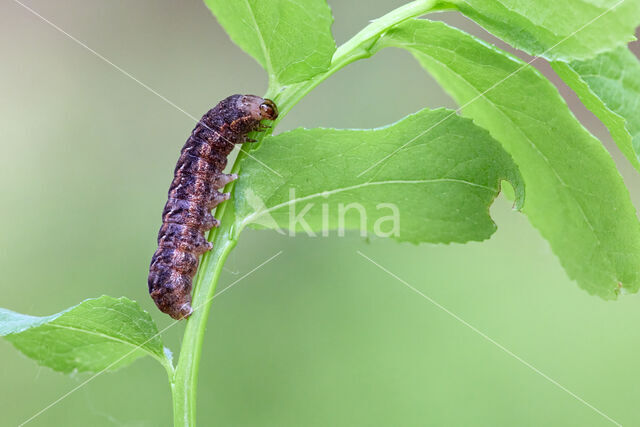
{"points": [[569, 29], [441, 181], [609, 86], [97, 334], [575, 195], [291, 39]]}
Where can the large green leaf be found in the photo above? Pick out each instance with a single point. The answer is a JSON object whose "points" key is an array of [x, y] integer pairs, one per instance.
{"points": [[575, 195], [97, 334], [441, 180], [291, 39], [569, 29], [609, 85]]}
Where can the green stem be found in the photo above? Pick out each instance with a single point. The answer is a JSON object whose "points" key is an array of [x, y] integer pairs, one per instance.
{"points": [[185, 380], [184, 387]]}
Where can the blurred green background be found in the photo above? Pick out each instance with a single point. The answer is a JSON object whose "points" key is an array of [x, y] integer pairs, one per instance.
{"points": [[319, 336]]}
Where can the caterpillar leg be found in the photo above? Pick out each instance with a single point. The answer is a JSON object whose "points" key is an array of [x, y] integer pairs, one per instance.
{"points": [[209, 222], [216, 198], [223, 179], [205, 246], [200, 245]]}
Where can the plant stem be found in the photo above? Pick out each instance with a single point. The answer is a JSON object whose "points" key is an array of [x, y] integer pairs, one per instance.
{"points": [[184, 387], [185, 380], [186, 377]]}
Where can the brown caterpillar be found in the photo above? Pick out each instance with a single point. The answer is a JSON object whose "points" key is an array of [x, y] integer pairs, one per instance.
{"points": [[194, 193]]}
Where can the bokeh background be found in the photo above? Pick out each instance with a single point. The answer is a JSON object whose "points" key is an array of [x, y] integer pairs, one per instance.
{"points": [[319, 336]]}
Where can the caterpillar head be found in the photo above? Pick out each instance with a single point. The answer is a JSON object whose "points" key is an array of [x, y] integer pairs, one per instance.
{"points": [[268, 110], [259, 108]]}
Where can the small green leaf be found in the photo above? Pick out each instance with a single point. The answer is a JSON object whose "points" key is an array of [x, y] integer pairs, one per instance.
{"points": [[569, 29], [440, 182], [575, 195], [609, 86], [291, 39], [97, 334]]}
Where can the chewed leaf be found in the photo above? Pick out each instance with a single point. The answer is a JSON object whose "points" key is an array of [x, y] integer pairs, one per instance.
{"points": [[575, 195], [291, 39], [609, 85], [570, 29], [431, 177], [97, 334]]}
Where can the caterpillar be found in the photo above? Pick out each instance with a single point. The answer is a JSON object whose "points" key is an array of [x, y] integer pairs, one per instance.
{"points": [[194, 193]]}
